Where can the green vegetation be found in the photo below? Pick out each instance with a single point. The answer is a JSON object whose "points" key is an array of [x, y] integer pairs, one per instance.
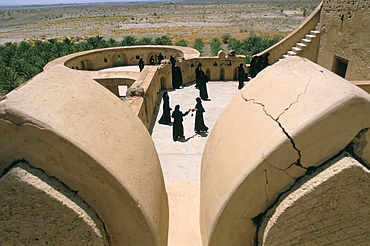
{"points": [[20, 62], [250, 46], [215, 46], [199, 45], [182, 42]]}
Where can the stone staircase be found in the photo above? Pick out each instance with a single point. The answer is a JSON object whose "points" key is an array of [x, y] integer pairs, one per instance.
{"points": [[305, 42]]}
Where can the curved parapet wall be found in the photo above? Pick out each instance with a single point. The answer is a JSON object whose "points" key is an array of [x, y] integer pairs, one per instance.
{"points": [[120, 56], [294, 116], [77, 132], [279, 49]]}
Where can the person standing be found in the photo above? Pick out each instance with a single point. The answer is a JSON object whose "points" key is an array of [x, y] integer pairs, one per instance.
{"points": [[151, 60], [241, 76], [141, 64], [202, 86], [199, 119], [197, 75], [166, 115], [178, 128], [176, 77], [172, 60], [160, 58]]}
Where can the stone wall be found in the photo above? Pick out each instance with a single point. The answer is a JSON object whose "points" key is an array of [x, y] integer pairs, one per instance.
{"points": [[345, 25], [40, 210], [328, 206]]}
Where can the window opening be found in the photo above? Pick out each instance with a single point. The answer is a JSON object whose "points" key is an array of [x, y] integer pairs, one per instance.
{"points": [[340, 66]]}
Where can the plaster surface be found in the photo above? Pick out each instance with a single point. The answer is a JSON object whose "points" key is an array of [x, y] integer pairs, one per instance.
{"points": [[30, 200], [292, 116], [327, 207], [64, 123]]}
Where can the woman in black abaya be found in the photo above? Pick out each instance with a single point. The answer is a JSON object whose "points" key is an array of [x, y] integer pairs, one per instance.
{"points": [[178, 128], [202, 86], [199, 120], [166, 116]]}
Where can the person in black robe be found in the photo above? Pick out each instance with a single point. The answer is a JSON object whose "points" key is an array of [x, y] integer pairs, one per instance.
{"points": [[199, 120], [160, 58], [197, 75], [202, 86], [177, 127], [241, 76], [172, 60], [176, 77], [254, 66], [265, 60], [151, 60], [166, 115], [141, 64]]}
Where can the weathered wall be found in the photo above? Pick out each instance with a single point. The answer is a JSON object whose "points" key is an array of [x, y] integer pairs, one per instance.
{"points": [[292, 116], [344, 33], [73, 129], [107, 57], [39, 210], [326, 207]]}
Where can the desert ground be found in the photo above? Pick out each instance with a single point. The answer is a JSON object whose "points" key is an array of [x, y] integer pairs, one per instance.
{"points": [[178, 20]]}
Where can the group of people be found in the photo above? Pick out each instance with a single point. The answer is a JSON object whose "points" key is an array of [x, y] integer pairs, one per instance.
{"points": [[160, 57], [178, 115]]}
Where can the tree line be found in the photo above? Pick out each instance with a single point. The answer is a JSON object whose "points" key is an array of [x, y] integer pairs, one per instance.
{"points": [[20, 62]]}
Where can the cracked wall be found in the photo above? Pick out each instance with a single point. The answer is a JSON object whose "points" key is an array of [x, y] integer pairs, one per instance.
{"points": [[31, 201], [75, 130], [326, 207], [344, 24], [292, 117]]}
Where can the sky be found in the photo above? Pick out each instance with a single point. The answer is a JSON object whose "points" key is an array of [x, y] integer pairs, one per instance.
{"points": [[42, 2]]}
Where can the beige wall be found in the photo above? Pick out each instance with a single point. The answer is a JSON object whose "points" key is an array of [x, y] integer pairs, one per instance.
{"points": [[279, 49], [345, 33], [39, 210], [75, 130], [326, 207], [292, 116]]}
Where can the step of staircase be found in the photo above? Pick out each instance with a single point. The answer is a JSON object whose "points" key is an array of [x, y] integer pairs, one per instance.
{"points": [[314, 32], [302, 46], [296, 50], [306, 41], [309, 36], [291, 53]]}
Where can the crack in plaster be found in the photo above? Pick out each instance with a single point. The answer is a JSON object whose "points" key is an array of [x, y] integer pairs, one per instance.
{"points": [[256, 220], [266, 184], [298, 161]]}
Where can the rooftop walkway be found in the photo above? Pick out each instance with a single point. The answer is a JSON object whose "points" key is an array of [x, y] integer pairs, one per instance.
{"points": [[181, 160]]}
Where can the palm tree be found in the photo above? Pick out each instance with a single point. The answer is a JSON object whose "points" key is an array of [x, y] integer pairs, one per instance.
{"points": [[9, 79]]}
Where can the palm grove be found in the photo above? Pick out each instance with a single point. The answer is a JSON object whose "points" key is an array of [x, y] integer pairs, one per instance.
{"points": [[20, 62]]}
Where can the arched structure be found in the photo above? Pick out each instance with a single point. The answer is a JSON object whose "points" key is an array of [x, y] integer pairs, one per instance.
{"points": [[76, 131], [294, 116], [295, 136]]}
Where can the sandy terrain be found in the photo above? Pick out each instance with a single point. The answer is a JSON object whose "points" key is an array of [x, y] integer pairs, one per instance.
{"points": [[178, 20]]}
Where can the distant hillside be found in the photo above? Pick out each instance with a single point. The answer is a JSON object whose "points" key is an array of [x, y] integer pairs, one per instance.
{"points": [[244, 1]]}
